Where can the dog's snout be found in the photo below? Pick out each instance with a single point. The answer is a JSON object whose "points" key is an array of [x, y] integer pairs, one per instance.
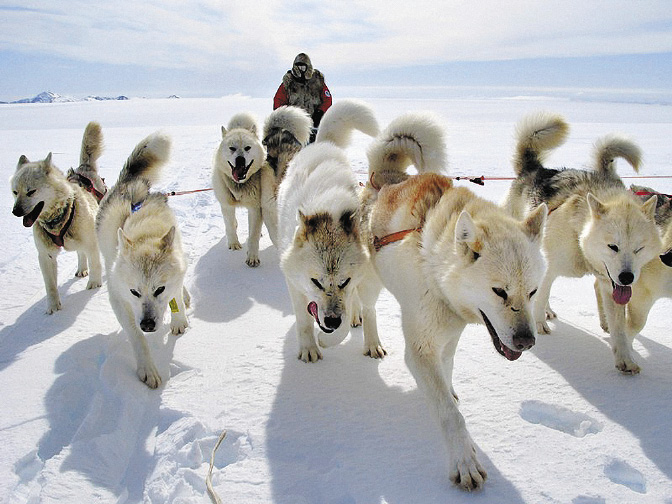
{"points": [[148, 325], [626, 278], [332, 322], [523, 340], [17, 211], [240, 162]]}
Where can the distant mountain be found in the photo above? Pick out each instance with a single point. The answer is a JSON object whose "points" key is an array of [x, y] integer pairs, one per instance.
{"points": [[49, 97]]}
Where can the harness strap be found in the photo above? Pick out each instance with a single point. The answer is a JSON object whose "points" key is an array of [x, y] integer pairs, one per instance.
{"points": [[379, 243], [59, 239]]}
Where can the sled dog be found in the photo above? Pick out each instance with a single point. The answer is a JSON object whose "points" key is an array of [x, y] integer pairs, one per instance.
{"points": [[450, 259], [61, 214], [321, 252], [655, 281], [595, 225], [142, 249], [243, 177]]}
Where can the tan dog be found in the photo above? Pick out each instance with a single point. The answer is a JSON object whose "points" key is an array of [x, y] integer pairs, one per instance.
{"points": [[595, 226], [61, 213], [450, 259]]}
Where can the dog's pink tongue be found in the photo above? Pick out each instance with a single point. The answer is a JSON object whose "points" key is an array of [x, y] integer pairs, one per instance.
{"points": [[622, 294], [312, 309], [28, 221]]}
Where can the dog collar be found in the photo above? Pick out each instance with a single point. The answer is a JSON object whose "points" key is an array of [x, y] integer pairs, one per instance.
{"points": [[90, 186], [379, 243]]}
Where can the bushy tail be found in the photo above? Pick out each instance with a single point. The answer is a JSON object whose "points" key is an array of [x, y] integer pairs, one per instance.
{"points": [[342, 118], [411, 139], [243, 120], [146, 159], [287, 118], [92, 146], [613, 146], [537, 134]]}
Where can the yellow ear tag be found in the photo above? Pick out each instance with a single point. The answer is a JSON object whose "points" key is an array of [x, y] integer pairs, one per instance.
{"points": [[173, 306]]}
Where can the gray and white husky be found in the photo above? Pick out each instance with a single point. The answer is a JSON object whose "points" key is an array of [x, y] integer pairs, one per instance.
{"points": [[61, 213], [595, 226], [321, 252], [244, 177], [142, 249], [450, 259]]}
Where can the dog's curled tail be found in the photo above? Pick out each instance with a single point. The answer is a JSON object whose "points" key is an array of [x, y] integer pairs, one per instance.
{"points": [[536, 135], [288, 118], [613, 146], [92, 146], [342, 118], [411, 139], [147, 159]]}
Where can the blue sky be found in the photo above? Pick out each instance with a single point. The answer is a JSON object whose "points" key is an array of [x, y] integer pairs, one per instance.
{"points": [[214, 47]]}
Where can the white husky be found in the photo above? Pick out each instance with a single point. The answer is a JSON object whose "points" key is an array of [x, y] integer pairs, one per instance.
{"points": [[321, 252], [64, 213], [595, 225], [141, 245], [450, 259], [243, 177]]}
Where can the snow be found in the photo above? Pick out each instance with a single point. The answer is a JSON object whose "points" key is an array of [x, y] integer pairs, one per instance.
{"points": [[559, 425]]}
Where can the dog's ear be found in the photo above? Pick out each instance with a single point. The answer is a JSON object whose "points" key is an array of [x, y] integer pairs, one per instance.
{"points": [[22, 161], [348, 221], [533, 225], [649, 207], [46, 164], [223, 131], [125, 243], [466, 237], [597, 208], [168, 238]]}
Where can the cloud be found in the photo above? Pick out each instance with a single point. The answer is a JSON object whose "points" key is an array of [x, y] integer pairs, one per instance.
{"points": [[200, 35]]}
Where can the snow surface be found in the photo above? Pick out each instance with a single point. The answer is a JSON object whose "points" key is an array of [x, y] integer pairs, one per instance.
{"points": [[560, 425]]}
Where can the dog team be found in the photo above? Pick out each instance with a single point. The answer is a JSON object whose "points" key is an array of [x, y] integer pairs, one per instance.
{"points": [[449, 257]]}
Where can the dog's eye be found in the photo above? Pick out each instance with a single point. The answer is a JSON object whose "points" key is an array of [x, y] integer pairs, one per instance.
{"points": [[637, 251], [247, 149], [135, 293], [159, 291], [533, 293], [317, 284], [30, 193], [613, 247], [344, 283], [500, 292], [232, 149]]}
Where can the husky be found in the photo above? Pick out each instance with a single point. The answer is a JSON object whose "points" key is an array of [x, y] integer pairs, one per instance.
{"points": [[655, 281], [63, 212], [450, 259], [142, 249], [595, 226], [321, 251], [242, 176]]}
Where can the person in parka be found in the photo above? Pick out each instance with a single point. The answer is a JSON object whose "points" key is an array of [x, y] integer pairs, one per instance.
{"points": [[303, 86]]}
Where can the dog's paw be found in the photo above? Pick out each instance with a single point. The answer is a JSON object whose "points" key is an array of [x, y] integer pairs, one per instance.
{"points": [[53, 307], [375, 351], [550, 314], [310, 354], [235, 245], [94, 283], [627, 366], [82, 273], [149, 375], [467, 472], [179, 326], [252, 261], [543, 328]]}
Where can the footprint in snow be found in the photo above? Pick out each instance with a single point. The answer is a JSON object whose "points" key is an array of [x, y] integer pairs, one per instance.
{"points": [[559, 418], [622, 473]]}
